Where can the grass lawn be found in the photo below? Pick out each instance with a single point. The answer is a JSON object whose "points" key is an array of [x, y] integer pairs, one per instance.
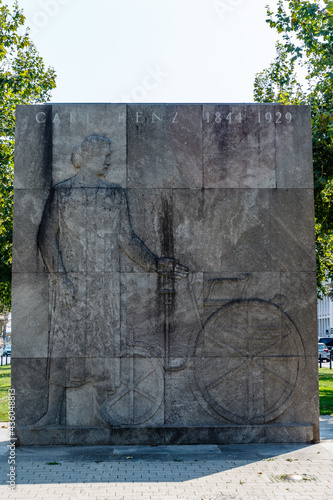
{"points": [[4, 386], [326, 391]]}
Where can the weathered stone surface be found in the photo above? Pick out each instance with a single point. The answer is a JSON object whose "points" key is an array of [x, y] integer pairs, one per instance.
{"points": [[30, 325], [164, 275], [303, 308], [152, 217], [181, 401], [167, 139], [30, 380], [294, 149], [222, 222], [229, 434], [28, 209], [33, 165], [291, 240], [238, 146]]}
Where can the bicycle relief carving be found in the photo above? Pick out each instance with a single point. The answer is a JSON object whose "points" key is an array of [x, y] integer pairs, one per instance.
{"points": [[85, 226], [249, 355]]}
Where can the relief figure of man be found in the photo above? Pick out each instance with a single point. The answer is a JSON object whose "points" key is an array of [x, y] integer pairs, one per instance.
{"points": [[84, 229]]}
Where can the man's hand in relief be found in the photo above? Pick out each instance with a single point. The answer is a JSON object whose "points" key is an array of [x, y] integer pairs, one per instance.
{"points": [[171, 268]]}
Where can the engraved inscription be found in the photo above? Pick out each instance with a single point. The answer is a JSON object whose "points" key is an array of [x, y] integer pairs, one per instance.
{"points": [[174, 119], [279, 118], [41, 117], [231, 118], [237, 117]]}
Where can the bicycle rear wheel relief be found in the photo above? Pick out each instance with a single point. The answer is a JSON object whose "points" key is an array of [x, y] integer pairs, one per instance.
{"points": [[249, 362]]}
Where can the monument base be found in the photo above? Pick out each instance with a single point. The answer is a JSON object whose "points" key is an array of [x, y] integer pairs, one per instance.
{"points": [[118, 436]]}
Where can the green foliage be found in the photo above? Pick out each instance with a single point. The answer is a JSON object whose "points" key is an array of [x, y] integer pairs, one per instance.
{"points": [[5, 374], [23, 80], [326, 391], [302, 73]]}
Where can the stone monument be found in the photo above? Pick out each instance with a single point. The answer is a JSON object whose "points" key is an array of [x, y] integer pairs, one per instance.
{"points": [[164, 275]]}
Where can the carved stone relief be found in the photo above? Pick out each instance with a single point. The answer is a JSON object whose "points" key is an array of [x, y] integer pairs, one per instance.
{"points": [[167, 280], [250, 362], [85, 226]]}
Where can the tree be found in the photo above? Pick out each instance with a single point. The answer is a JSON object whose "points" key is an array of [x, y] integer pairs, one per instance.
{"points": [[23, 80], [302, 73]]}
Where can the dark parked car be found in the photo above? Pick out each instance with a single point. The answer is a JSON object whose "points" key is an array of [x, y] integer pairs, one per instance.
{"points": [[7, 350], [324, 352]]}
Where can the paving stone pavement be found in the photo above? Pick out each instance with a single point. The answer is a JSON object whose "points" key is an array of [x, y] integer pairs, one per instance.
{"points": [[210, 472]]}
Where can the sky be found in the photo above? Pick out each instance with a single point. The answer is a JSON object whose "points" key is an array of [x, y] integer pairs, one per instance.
{"points": [[152, 50]]}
